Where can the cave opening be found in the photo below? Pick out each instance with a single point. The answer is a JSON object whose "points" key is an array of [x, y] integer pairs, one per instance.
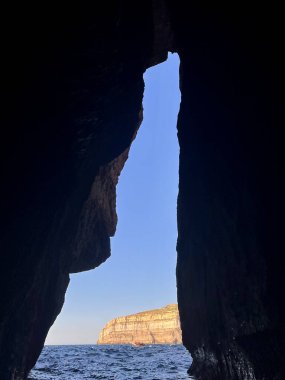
{"points": [[73, 85], [140, 275]]}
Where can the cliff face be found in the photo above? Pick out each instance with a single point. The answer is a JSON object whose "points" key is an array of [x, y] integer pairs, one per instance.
{"points": [[159, 326], [75, 99], [230, 244]]}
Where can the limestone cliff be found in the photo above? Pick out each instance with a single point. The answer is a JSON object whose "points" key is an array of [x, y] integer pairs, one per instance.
{"points": [[159, 326]]}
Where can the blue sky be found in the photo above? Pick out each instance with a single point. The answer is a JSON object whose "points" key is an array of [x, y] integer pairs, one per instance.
{"points": [[140, 274]]}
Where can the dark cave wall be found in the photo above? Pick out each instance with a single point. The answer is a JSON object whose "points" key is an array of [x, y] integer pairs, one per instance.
{"points": [[229, 246], [73, 91], [73, 97]]}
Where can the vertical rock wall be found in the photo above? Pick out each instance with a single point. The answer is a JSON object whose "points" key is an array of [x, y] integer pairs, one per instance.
{"points": [[230, 191]]}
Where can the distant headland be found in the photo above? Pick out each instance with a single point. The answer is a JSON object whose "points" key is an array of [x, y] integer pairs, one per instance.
{"points": [[158, 326]]}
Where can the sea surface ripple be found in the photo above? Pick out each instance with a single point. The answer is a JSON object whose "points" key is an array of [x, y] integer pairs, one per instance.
{"points": [[112, 362]]}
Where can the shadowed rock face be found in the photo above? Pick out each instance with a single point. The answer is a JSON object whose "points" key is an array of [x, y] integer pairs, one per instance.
{"points": [[229, 245], [159, 326], [71, 108]]}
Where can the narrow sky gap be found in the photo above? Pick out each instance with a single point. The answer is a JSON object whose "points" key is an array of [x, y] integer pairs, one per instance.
{"points": [[140, 274]]}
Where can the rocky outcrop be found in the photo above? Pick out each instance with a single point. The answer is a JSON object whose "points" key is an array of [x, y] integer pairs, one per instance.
{"points": [[75, 100], [71, 107], [159, 326]]}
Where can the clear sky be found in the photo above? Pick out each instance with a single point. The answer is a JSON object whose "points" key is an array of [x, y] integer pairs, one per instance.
{"points": [[140, 274]]}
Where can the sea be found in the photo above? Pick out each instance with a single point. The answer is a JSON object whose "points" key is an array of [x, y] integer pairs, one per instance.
{"points": [[112, 362]]}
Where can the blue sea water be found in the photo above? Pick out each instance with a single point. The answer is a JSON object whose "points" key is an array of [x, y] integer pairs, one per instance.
{"points": [[112, 362]]}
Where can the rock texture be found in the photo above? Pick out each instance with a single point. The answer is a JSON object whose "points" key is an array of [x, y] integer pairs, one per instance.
{"points": [[73, 104], [230, 244], [159, 326], [73, 88]]}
